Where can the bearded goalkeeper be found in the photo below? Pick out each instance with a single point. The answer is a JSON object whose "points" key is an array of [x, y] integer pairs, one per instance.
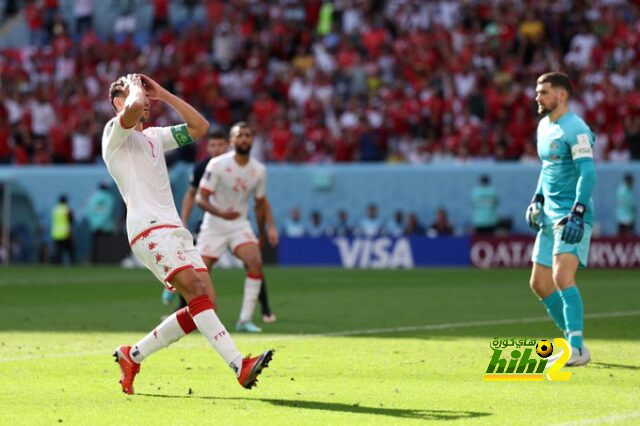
{"points": [[562, 209]]}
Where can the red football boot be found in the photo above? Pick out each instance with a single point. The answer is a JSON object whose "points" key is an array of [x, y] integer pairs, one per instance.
{"points": [[252, 367], [128, 367]]}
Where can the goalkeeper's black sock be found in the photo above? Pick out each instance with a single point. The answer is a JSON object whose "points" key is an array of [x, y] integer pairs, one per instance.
{"points": [[264, 299]]}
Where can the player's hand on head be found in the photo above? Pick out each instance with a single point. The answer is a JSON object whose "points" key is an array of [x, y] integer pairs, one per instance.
{"points": [[152, 87], [133, 80]]}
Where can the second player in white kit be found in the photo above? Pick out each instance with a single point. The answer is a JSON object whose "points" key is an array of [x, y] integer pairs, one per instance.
{"points": [[231, 187], [229, 182]]}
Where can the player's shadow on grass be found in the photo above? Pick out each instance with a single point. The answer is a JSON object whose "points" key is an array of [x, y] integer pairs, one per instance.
{"points": [[347, 408], [615, 366]]}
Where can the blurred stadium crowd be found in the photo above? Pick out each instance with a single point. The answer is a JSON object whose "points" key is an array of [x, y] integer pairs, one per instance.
{"points": [[326, 81]]}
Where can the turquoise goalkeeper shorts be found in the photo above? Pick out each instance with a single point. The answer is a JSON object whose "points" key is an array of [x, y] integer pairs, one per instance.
{"points": [[548, 244]]}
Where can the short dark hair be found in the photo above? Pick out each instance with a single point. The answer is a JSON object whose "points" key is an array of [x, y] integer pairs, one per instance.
{"points": [[217, 134], [556, 79], [117, 88]]}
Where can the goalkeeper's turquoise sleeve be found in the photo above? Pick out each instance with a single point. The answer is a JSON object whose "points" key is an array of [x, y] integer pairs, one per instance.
{"points": [[539, 186], [586, 181]]}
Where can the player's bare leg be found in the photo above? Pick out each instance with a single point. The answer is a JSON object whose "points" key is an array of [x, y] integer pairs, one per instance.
{"points": [[565, 266], [206, 276], [250, 255], [209, 262], [541, 281]]}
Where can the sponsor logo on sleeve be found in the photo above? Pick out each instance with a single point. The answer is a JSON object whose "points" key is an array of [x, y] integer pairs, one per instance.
{"points": [[582, 149]]}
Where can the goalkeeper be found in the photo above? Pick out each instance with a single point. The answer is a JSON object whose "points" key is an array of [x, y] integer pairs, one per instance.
{"points": [[562, 209]]}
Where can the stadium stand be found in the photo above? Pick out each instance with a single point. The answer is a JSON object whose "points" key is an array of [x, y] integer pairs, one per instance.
{"points": [[343, 81]]}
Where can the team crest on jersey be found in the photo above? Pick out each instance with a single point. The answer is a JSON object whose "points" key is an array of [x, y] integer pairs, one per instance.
{"points": [[554, 145], [240, 185], [181, 255]]}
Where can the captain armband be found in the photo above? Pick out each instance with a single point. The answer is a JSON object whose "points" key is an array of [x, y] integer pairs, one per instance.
{"points": [[181, 134]]}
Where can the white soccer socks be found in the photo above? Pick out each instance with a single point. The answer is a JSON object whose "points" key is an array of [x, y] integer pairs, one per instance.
{"points": [[205, 318], [251, 291], [171, 329]]}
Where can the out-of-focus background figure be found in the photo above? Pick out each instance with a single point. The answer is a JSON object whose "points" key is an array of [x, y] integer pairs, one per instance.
{"points": [[62, 232], [626, 210]]}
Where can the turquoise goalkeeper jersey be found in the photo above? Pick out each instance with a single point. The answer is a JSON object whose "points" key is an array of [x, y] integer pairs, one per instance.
{"points": [[564, 147]]}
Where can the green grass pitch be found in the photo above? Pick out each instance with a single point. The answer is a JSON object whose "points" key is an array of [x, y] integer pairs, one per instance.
{"points": [[352, 347]]}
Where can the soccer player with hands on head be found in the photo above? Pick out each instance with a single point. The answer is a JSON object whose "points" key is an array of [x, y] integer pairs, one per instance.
{"points": [[135, 159], [562, 210]]}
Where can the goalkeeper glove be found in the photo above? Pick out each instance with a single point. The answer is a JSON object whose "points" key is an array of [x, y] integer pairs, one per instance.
{"points": [[534, 211], [573, 225]]}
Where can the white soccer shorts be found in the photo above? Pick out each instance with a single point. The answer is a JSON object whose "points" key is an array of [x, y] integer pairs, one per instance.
{"points": [[167, 250], [211, 243]]}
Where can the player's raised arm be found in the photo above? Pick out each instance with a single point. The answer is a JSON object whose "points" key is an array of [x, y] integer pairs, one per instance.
{"points": [[134, 103], [197, 125]]}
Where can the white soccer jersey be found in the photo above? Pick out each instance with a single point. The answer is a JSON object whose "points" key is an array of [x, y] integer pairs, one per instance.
{"points": [[231, 186], [136, 162]]}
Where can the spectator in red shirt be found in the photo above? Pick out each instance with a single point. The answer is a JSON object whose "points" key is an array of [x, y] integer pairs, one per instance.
{"points": [[281, 141]]}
